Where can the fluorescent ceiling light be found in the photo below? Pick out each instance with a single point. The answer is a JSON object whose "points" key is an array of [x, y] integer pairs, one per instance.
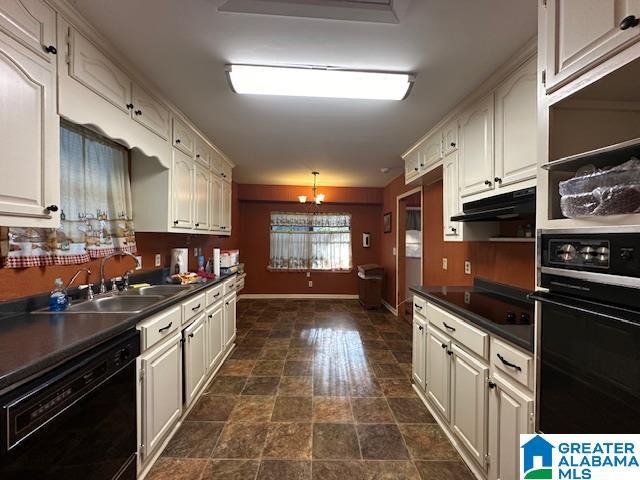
{"points": [[318, 82]]}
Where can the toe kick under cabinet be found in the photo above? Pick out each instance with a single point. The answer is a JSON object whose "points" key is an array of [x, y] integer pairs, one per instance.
{"points": [[182, 348], [482, 402]]}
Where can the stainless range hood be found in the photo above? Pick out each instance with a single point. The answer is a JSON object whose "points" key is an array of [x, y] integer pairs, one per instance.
{"points": [[507, 206]]}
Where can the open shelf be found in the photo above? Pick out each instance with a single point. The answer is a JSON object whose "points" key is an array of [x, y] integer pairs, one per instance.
{"points": [[513, 239], [599, 157]]}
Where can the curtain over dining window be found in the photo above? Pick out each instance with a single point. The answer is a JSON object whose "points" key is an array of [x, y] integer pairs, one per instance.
{"points": [[95, 203], [310, 241]]}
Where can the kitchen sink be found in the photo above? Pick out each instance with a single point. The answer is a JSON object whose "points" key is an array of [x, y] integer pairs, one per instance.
{"points": [[161, 290], [111, 304]]}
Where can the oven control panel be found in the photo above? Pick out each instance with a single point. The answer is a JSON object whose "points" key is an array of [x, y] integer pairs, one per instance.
{"points": [[614, 254]]}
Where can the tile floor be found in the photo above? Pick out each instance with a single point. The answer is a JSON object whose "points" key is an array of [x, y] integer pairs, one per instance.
{"points": [[314, 390]]}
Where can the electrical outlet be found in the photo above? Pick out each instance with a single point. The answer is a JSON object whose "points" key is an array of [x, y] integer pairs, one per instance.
{"points": [[308, 274], [158, 260], [444, 263], [139, 258], [467, 297], [467, 267], [195, 251], [310, 283], [394, 251]]}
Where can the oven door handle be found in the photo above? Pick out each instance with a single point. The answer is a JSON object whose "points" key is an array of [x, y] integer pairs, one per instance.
{"points": [[589, 308]]}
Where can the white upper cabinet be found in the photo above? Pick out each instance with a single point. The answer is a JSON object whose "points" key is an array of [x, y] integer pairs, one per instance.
{"points": [[183, 137], [476, 143], [32, 23], [203, 152], [29, 135], [216, 203], [450, 137], [469, 402], [583, 33], [97, 72], [151, 113], [412, 166], [451, 196], [225, 170], [182, 190], [431, 151], [515, 123], [225, 223], [202, 200]]}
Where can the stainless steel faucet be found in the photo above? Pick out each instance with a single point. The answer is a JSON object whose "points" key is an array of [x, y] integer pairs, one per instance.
{"points": [[82, 287], [103, 287]]}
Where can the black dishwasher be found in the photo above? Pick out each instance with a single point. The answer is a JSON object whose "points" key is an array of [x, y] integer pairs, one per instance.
{"points": [[76, 421]]}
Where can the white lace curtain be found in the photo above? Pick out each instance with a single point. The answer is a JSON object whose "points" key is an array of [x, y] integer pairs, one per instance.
{"points": [[314, 241], [95, 204]]}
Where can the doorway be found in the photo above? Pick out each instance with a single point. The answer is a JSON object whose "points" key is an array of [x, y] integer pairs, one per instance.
{"points": [[409, 250]]}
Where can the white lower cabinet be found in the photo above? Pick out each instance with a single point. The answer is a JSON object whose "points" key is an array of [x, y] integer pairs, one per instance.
{"points": [[438, 371], [419, 347], [510, 415], [160, 399], [214, 329], [229, 320], [195, 358], [469, 402]]}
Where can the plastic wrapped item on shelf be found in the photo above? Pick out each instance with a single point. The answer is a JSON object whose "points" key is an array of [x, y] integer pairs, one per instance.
{"points": [[594, 192]]}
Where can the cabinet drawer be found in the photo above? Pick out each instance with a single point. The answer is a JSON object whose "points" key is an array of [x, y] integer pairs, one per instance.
{"points": [[154, 329], [471, 338], [193, 307], [419, 306], [214, 295], [230, 286], [240, 284], [518, 365], [183, 137]]}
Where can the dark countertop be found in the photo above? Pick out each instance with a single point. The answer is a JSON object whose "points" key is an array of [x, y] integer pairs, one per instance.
{"points": [[449, 298], [32, 343]]}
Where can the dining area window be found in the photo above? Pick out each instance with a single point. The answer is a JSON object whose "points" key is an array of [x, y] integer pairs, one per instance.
{"points": [[310, 241]]}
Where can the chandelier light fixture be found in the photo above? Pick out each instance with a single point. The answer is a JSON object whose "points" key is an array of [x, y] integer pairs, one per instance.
{"points": [[317, 198]]}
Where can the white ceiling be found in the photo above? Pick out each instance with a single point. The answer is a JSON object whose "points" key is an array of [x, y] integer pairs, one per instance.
{"points": [[183, 46]]}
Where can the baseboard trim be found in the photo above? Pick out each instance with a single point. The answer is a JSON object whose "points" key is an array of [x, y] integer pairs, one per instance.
{"points": [[310, 296], [472, 465], [386, 305]]}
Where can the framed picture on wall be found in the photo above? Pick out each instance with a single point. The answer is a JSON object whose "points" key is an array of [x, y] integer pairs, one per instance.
{"points": [[386, 222]]}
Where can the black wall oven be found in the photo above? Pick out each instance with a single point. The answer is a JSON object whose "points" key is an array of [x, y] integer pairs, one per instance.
{"points": [[589, 335], [77, 421]]}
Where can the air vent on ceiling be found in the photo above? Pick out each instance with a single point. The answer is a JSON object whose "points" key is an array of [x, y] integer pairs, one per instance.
{"points": [[379, 11]]}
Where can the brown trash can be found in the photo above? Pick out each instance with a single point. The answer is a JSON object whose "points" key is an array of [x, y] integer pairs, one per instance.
{"points": [[370, 281]]}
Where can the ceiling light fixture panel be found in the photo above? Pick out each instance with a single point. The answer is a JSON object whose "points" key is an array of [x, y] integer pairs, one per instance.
{"points": [[325, 82]]}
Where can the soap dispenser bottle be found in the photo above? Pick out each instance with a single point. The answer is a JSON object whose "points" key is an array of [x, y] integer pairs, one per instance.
{"points": [[58, 300]]}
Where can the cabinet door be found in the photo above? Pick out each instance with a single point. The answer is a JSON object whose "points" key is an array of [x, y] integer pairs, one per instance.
{"points": [[225, 170], [411, 166], [450, 137], [216, 203], [431, 151], [583, 33], [516, 127], [32, 23], [451, 196], [183, 137], [476, 143], [182, 190], [195, 358], [419, 344], [95, 71], [29, 135], [215, 332], [202, 197], [161, 392], [226, 207], [149, 112], [229, 320], [469, 402], [203, 152], [438, 371], [510, 415]]}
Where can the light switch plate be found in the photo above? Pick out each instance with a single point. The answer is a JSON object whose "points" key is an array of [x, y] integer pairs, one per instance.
{"points": [[308, 274], [467, 267], [444, 263], [139, 258], [158, 260], [310, 283], [394, 251]]}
